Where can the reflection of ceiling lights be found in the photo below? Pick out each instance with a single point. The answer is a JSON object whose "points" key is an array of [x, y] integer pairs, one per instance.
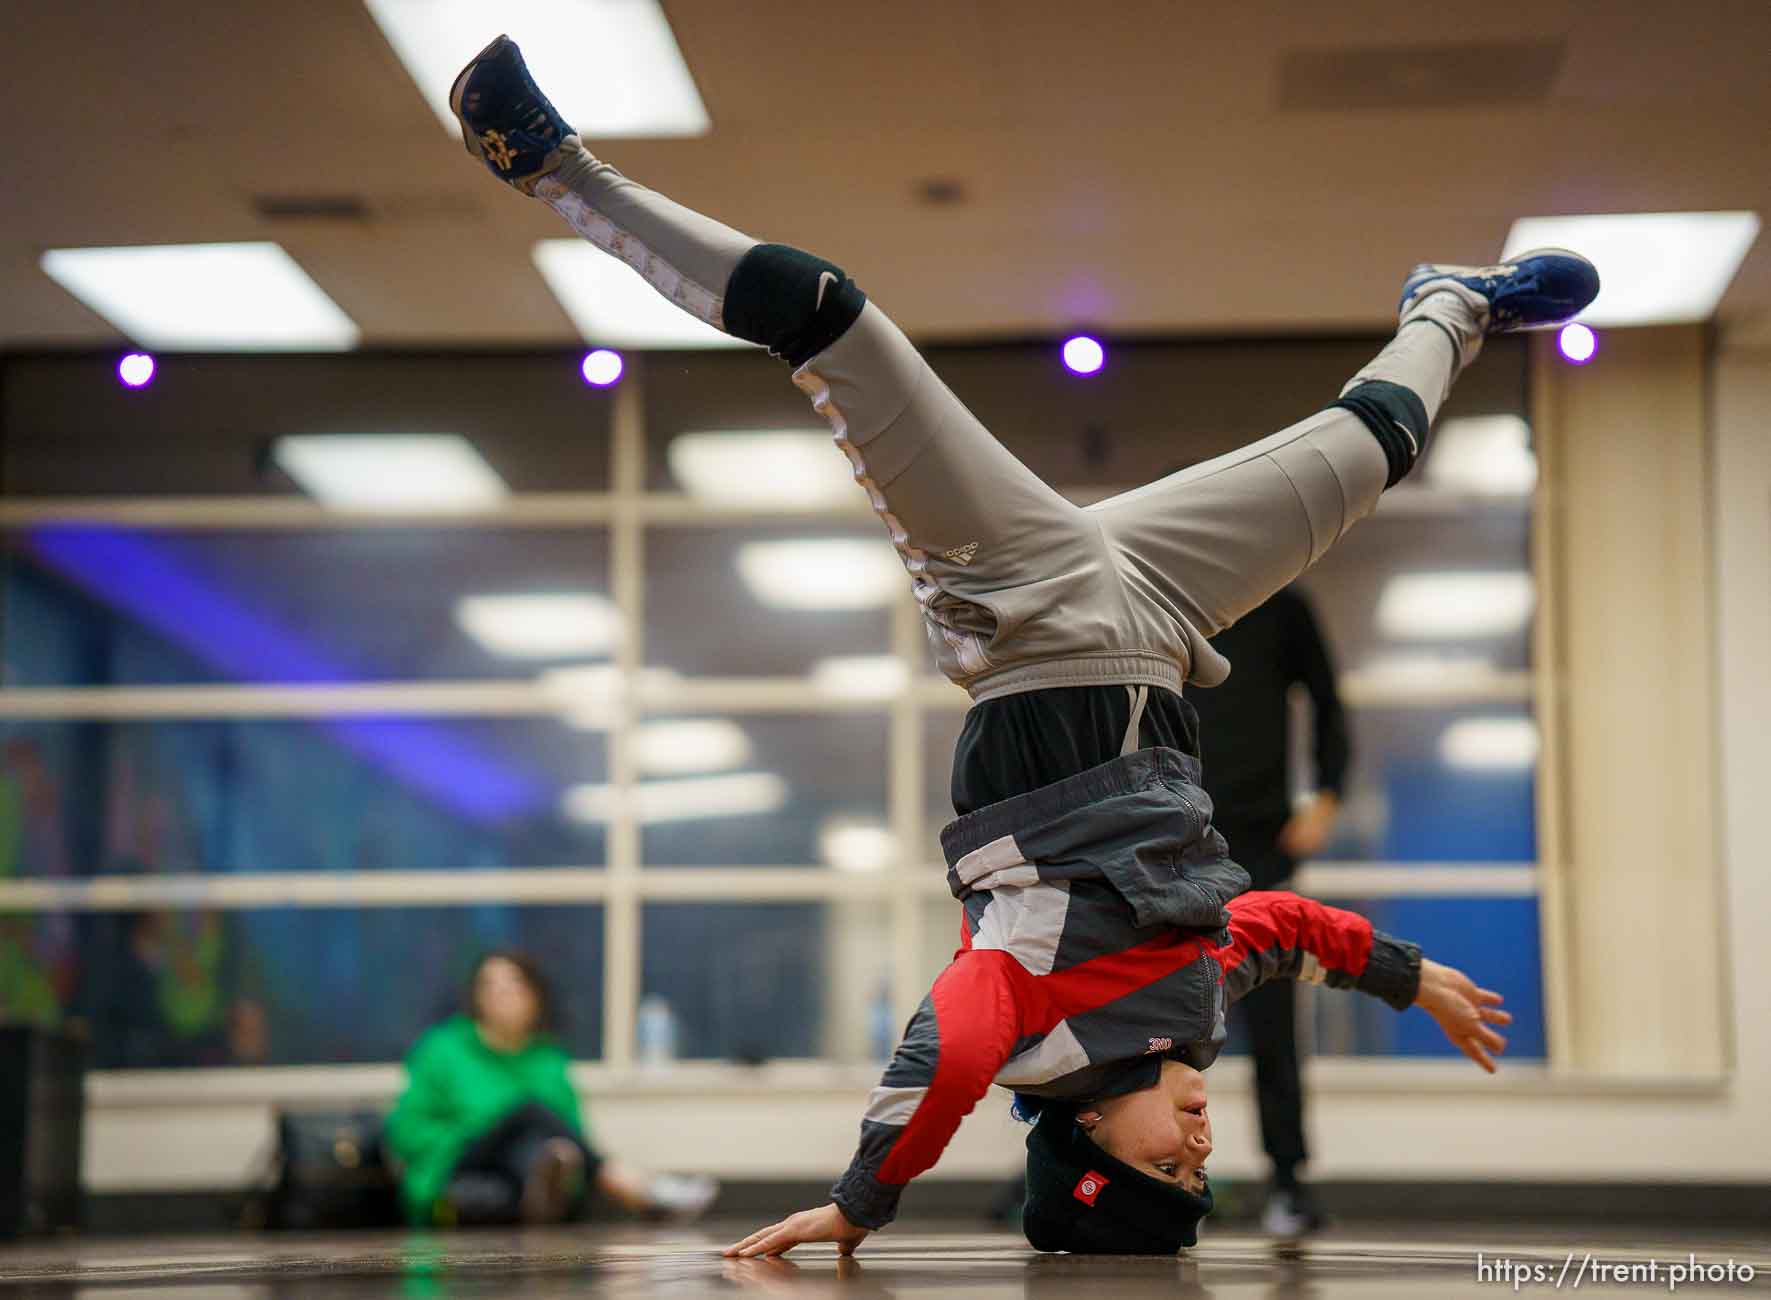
{"points": [[204, 297], [612, 67], [674, 746], [611, 305], [741, 794], [541, 625], [1486, 454], [860, 677], [763, 467], [1655, 268], [590, 695], [1443, 672], [1490, 744], [821, 573], [848, 844], [390, 471], [1450, 605]]}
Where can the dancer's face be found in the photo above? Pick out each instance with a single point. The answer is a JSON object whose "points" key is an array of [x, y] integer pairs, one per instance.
{"points": [[503, 1000], [1162, 1130]]}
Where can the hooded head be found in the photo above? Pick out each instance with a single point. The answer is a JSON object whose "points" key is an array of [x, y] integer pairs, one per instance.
{"points": [[1083, 1200]]}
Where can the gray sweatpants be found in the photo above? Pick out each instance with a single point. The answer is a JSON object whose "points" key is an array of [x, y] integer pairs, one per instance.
{"points": [[1021, 589]]}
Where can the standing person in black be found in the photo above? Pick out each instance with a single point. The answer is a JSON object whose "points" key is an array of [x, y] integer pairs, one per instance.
{"points": [[1244, 734]]}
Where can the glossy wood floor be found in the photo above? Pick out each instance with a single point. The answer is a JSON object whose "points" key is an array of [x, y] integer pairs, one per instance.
{"points": [[909, 1261]]}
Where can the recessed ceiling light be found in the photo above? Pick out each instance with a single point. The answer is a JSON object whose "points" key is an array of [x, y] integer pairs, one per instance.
{"points": [[392, 471], [848, 844], [136, 370], [611, 67], [821, 573], [1419, 606], [763, 467], [1489, 455], [740, 794], [1577, 343], [676, 746], [1084, 355], [1655, 268], [248, 297], [860, 677], [1490, 744], [611, 304], [541, 625]]}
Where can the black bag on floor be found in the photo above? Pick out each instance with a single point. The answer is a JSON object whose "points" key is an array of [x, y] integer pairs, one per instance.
{"points": [[329, 1173]]}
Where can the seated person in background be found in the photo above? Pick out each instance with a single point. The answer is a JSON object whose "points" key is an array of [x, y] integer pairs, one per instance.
{"points": [[488, 1130]]}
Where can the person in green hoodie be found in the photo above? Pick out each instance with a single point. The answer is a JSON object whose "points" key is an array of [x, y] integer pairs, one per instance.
{"points": [[489, 1129]]}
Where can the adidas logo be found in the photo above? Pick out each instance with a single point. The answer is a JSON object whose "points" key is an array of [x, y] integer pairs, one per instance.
{"points": [[497, 149], [961, 554]]}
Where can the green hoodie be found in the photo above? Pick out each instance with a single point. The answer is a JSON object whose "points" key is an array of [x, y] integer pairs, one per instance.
{"points": [[457, 1089]]}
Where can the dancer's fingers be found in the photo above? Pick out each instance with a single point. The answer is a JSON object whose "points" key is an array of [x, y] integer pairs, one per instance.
{"points": [[1491, 1040], [1489, 998], [740, 1246], [1474, 1051]]}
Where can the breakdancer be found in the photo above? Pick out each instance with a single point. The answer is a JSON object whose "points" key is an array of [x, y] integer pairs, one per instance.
{"points": [[1105, 925]]}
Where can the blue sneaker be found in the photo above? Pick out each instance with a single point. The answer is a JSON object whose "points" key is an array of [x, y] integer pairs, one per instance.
{"points": [[506, 121], [1529, 291]]}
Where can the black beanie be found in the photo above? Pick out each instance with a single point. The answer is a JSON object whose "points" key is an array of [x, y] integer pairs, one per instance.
{"points": [[1083, 1200]]}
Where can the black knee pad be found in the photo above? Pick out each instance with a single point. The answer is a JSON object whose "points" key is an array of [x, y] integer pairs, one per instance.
{"points": [[794, 304], [1396, 418]]}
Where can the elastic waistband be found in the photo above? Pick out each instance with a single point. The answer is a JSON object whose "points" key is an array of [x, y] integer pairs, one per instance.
{"points": [[1025, 812], [1120, 668]]}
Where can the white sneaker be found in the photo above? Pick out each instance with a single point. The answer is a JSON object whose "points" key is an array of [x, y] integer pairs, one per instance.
{"points": [[1291, 1214], [683, 1196]]}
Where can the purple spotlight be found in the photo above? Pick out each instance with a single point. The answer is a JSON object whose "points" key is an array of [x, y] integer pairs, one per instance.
{"points": [[602, 367], [1578, 343], [136, 370], [1084, 355]]}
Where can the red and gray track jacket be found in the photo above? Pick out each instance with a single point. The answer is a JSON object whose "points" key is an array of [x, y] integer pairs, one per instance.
{"points": [[1105, 929]]}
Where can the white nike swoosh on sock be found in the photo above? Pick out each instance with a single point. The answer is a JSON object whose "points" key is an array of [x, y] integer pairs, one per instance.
{"points": [[1408, 433], [822, 286]]}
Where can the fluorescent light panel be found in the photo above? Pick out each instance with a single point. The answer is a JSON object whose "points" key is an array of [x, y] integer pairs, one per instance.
{"points": [[678, 746], [821, 573], [1428, 669], [848, 844], [1490, 744], [1436, 606], [249, 297], [1487, 455], [612, 67], [1655, 268], [860, 677], [740, 794], [612, 305], [762, 467], [541, 625], [590, 695], [395, 471]]}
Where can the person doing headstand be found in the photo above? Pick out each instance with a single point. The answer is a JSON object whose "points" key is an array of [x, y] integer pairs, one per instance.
{"points": [[1106, 927]]}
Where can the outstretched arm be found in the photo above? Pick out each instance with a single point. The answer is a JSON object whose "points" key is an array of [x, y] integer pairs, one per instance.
{"points": [[1281, 935], [959, 1038]]}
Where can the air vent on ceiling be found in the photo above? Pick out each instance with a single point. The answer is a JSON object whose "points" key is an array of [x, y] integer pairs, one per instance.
{"points": [[310, 207], [1420, 76], [940, 191]]}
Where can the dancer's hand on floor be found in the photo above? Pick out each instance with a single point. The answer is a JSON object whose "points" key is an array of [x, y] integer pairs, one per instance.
{"points": [[1464, 1012], [826, 1223]]}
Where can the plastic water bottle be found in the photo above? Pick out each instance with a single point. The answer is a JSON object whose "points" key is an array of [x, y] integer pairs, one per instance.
{"points": [[880, 1039], [654, 1031]]}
